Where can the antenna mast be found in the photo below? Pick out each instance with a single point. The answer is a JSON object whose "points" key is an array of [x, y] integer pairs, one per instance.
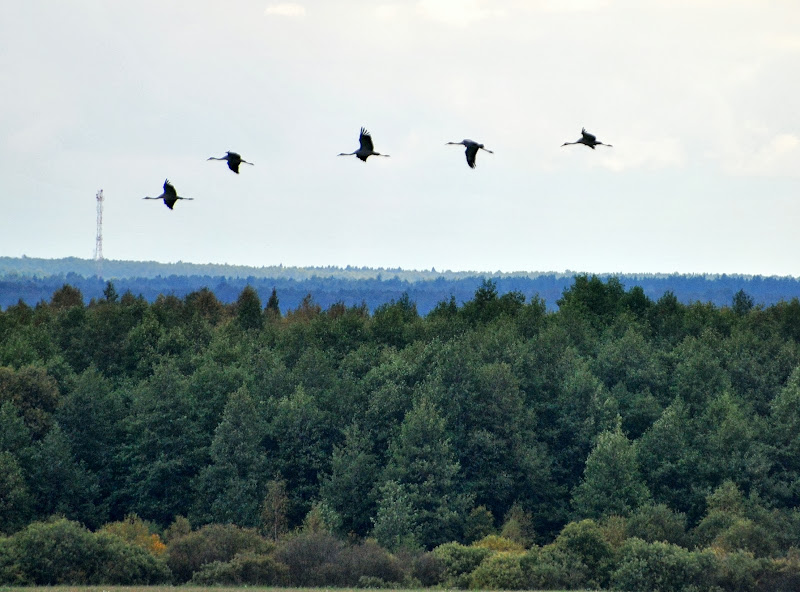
{"points": [[98, 243]]}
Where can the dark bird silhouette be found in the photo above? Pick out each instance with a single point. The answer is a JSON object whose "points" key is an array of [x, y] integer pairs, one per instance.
{"points": [[170, 196], [471, 151], [587, 139], [366, 148], [234, 160]]}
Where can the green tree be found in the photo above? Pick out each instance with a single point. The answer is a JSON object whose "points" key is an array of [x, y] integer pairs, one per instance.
{"points": [[34, 393], [275, 509], [422, 462], [15, 499], [273, 306], [397, 524], [66, 297], [248, 309], [62, 485], [164, 448], [395, 323], [230, 487], [668, 458], [698, 375], [612, 484], [350, 488], [91, 416], [784, 438], [300, 438]]}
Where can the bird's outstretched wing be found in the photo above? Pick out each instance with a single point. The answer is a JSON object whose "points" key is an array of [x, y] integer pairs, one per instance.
{"points": [[471, 151], [365, 139], [169, 190]]}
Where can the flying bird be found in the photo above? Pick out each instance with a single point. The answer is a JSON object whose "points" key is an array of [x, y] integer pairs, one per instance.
{"points": [[471, 151], [234, 160], [170, 196], [587, 139], [366, 148]]}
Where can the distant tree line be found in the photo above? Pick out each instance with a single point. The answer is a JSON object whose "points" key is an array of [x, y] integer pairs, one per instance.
{"points": [[617, 442], [33, 280]]}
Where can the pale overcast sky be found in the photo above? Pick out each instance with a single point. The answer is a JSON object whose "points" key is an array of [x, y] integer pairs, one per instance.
{"points": [[700, 99]]}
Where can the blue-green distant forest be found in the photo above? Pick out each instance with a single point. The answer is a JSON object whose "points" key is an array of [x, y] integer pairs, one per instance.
{"points": [[34, 280]]}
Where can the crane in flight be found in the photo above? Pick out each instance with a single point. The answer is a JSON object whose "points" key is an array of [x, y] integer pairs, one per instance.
{"points": [[234, 160], [366, 148], [471, 151], [170, 196], [587, 139]]}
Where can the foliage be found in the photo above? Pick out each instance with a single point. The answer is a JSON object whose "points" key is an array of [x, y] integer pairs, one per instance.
{"points": [[63, 552], [479, 416], [502, 570], [135, 531], [186, 555], [644, 567], [245, 569], [458, 562]]}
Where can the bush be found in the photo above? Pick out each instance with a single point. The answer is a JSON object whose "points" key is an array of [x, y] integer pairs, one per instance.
{"points": [[216, 542], [549, 568], [458, 562], [122, 563], [644, 567], [313, 559], [500, 571], [586, 543], [63, 552], [247, 569], [137, 532], [427, 569], [369, 560]]}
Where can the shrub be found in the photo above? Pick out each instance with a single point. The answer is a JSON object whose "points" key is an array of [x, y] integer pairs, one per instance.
{"points": [[500, 571], [248, 569], [137, 532], [644, 567], [123, 563], [371, 561], [373, 583], [313, 559], [215, 542], [585, 541], [549, 568], [427, 569], [10, 573], [458, 562], [63, 552]]}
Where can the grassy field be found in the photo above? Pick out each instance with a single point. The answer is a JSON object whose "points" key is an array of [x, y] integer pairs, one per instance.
{"points": [[187, 588]]}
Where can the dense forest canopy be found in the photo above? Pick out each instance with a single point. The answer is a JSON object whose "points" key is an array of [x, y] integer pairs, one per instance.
{"points": [[490, 416], [33, 280]]}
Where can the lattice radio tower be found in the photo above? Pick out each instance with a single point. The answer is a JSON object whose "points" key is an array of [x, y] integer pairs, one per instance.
{"points": [[98, 243]]}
